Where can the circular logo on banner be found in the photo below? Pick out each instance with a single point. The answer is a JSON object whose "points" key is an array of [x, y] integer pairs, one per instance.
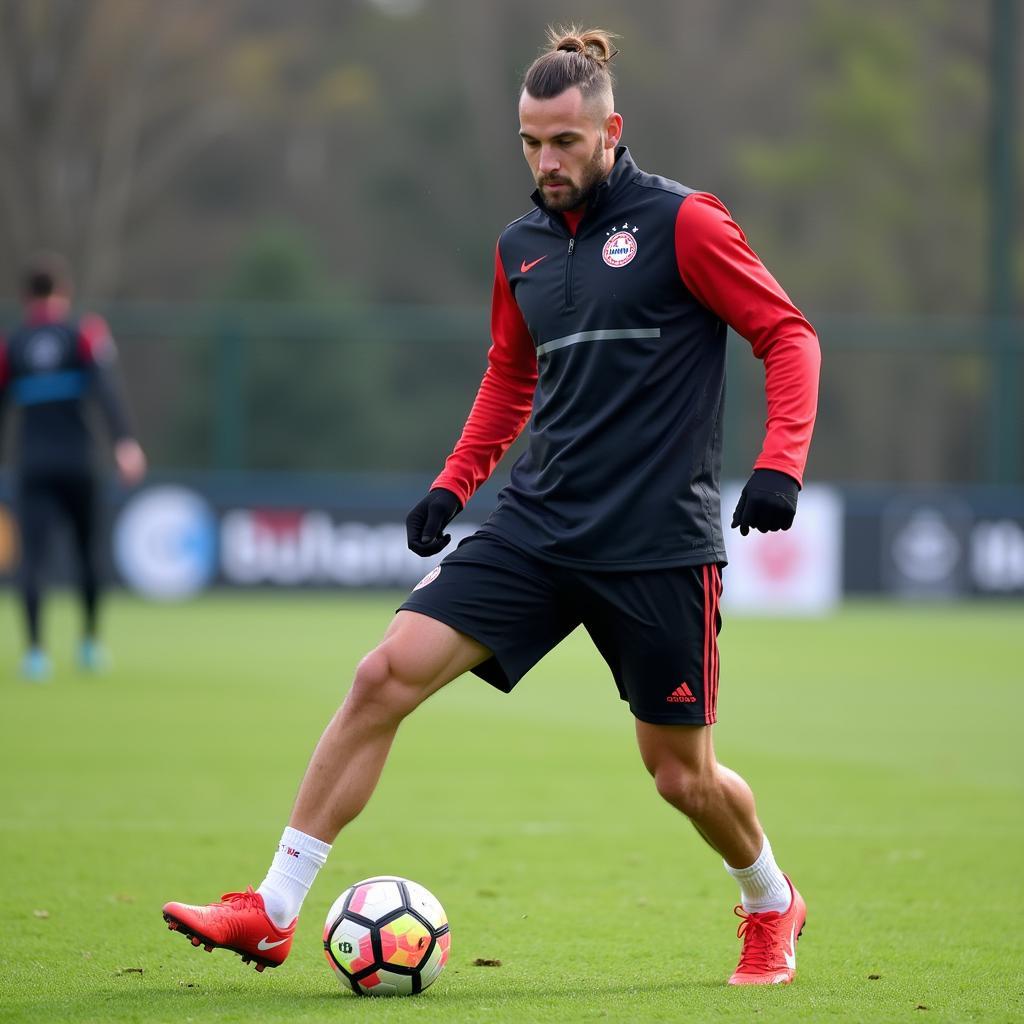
{"points": [[926, 550], [165, 543], [926, 544], [619, 249]]}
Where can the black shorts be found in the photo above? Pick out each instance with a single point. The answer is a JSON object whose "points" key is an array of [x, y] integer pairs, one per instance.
{"points": [[656, 628], [43, 500]]}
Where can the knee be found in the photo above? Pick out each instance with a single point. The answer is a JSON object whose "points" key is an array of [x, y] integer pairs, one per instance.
{"points": [[688, 790], [377, 692]]}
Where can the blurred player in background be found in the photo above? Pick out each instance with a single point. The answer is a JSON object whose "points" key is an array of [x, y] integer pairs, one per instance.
{"points": [[609, 313], [50, 367]]}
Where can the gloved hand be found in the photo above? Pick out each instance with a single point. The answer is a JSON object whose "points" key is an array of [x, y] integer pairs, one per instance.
{"points": [[423, 525], [767, 502]]}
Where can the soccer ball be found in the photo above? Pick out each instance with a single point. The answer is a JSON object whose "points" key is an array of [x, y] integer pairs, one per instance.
{"points": [[386, 936]]}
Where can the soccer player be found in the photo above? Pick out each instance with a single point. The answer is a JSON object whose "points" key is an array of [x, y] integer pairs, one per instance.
{"points": [[610, 307], [49, 367]]}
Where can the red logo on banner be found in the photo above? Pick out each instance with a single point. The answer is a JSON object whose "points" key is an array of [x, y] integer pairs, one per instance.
{"points": [[779, 556]]}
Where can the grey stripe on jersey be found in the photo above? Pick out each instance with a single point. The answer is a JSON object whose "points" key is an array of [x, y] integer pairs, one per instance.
{"points": [[619, 335]]}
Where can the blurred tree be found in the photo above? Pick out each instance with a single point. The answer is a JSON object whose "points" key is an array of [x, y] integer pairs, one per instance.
{"points": [[880, 173], [146, 137], [277, 264], [880, 195], [100, 107], [264, 402], [299, 378]]}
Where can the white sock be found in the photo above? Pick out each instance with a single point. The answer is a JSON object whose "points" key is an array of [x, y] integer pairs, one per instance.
{"points": [[763, 886], [294, 868]]}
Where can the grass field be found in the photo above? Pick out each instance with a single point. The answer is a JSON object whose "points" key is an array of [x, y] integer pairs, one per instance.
{"points": [[885, 745]]}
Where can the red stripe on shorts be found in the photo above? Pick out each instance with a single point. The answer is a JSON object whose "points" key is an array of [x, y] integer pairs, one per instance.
{"points": [[707, 644], [711, 714]]}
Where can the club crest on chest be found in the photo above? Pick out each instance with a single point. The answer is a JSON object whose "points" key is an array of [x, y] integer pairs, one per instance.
{"points": [[621, 246]]}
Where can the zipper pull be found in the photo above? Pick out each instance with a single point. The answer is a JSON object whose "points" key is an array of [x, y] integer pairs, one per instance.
{"points": [[572, 244]]}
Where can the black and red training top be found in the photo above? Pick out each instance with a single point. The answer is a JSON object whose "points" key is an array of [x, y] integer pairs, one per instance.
{"points": [[51, 366], [608, 336]]}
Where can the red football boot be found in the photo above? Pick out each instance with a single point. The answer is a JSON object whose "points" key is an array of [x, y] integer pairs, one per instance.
{"points": [[239, 923], [769, 944]]}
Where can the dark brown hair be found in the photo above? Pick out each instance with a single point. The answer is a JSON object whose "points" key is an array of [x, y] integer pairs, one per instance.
{"points": [[44, 274], [574, 57]]}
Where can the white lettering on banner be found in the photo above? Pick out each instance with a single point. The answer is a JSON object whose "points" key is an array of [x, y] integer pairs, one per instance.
{"points": [[290, 548], [997, 555]]}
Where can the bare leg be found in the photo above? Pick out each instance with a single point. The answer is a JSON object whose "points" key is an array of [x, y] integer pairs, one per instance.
{"points": [[720, 805], [417, 656]]}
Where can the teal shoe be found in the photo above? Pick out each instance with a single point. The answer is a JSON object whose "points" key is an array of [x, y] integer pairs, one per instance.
{"points": [[92, 657], [35, 666]]}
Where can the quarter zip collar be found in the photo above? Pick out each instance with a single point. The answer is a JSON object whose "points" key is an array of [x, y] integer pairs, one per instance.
{"points": [[622, 172]]}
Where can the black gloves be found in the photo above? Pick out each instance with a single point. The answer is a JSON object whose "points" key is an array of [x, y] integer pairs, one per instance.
{"points": [[767, 502], [423, 525]]}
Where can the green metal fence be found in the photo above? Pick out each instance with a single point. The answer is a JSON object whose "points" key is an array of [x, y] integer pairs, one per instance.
{"points": [[912, 399]]}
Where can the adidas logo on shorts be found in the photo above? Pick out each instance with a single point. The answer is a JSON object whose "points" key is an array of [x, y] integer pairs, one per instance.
{"points": [[682, 694]]}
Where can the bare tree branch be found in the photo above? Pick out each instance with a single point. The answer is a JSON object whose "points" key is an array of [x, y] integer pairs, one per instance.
{"points": [[177, 148], [13, 142], [117, 168]]}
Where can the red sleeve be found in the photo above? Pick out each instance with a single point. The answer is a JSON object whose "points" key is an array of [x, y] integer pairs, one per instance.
{"points": [[725, 274], [95, 342], [505, 398]]}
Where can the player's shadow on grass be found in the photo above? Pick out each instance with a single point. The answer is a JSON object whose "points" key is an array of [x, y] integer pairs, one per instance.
{"points": [[460, 991], [518, 992]]}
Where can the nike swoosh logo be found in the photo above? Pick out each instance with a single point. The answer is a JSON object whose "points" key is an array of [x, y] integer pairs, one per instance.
{"points": [[263, 944], [790, 954], [524, 266]]}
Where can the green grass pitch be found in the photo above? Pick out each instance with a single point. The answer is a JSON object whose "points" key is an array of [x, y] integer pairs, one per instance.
{"points": [[884, 743]]}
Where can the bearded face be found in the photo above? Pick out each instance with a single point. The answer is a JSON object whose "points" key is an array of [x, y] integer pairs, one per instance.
{"points": [[561, 192], [569, 143]]}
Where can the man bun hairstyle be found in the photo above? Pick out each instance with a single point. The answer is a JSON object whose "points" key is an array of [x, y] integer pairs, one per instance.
{"points": [[574, 57]]}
